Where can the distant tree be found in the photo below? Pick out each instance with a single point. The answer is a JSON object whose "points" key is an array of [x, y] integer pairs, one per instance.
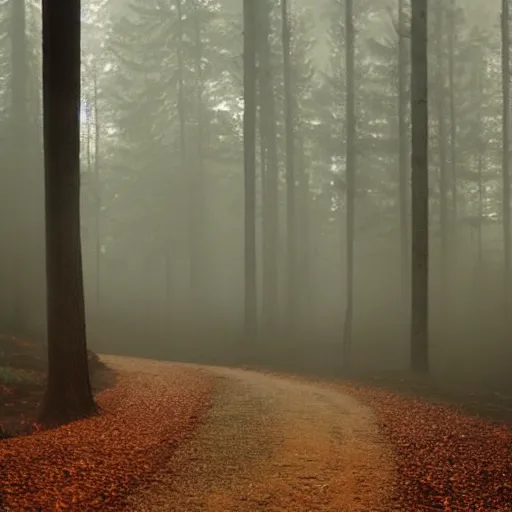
{"points": [[97, 183], [440, 94], [350, 179], [196, 164], [270, 169], [298, 107], [452, 35], [420, 199], [20, 130], [177, 132], [182, 120], [249, 129], [505, 63], [68, 393], [403, 148], [291, 227], [92, 156]]}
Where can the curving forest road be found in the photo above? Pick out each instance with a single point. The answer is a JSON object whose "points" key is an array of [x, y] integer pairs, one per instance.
{"points": [[272, 444], [187, 438]]}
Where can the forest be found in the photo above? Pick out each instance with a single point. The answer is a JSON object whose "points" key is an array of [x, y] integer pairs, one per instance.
{"points": [[162, 183], [237, 235]]}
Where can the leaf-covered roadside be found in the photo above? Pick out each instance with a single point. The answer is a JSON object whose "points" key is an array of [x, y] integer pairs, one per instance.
{"points": [[23, 367], [95, 464], [446, 460]]}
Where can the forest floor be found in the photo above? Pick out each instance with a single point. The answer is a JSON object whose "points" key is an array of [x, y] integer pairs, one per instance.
{"points": [[175, 437], [22, 380]]}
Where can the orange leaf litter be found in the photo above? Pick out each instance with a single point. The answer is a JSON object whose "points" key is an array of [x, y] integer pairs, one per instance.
{"points": [[446, 460], [95, 464]]}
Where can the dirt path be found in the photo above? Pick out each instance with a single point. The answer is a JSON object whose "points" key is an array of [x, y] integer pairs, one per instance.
{"points": [[272, 444]]}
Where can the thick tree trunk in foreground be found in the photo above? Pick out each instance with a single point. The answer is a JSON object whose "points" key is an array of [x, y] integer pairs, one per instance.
{"points": [[419, 165], [250, 326], [68, 394]]}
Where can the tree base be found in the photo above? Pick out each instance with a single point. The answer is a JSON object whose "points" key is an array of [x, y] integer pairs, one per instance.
{"points": [[60, 409]]}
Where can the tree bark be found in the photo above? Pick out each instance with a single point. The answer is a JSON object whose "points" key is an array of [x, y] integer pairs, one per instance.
{"points": [[249, 127], [420, 182], [68, 393]]}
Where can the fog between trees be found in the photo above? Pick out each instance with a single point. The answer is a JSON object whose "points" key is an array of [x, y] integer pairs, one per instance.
{"points": [[163, 183]]}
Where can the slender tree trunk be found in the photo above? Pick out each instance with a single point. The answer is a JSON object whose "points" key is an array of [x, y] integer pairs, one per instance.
{"points": [[97, 188], [291, 227], [505, 35], [403, 149], [480, 156], [419, 165], [270, 191], [480, 210], [351, 189], [181, 211], [68, 393], [88, 133], [20, 129], [441, 124], [196, 203], [250, 317], [305, 306], [453, 119]]}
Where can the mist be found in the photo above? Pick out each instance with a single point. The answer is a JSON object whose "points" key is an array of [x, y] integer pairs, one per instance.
{"points": [[162, 185]]}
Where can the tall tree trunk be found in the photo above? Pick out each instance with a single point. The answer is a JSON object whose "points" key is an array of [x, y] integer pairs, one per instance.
{"points": [[419, 165], [291, 227], [250, 303], [305, 306], [403, 149], [480, 210], [270, 191], [183, 135], [350, 173], [453, 119], [441, 124], [196, 195], [505, 36], [97, 187], [20, 129], [68, 393], [480, 146]]}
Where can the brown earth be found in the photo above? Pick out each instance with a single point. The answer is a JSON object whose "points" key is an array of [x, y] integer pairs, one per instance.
{"points": [[270, 444]]}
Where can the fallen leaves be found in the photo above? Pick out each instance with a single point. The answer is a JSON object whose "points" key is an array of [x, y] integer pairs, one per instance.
{"points": [[446, 460], [94, 464]]}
